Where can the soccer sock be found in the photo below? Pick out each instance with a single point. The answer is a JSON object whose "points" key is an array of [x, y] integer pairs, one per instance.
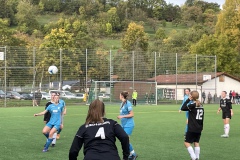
{"points": [[226, 129], [59, 131], [132, 152], [197, 152], [54, 138], [46, 134], [49, 141], [191, 152]]}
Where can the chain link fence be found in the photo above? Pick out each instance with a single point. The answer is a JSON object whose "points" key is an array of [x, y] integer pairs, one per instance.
{"points": [[25, 70]]}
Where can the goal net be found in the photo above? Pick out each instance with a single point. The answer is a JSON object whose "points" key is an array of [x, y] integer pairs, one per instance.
{"points": [[109, 91]]}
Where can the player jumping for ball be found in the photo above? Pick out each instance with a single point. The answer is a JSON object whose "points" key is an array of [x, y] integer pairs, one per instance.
{"points": [[227, 113], [195, 124]]}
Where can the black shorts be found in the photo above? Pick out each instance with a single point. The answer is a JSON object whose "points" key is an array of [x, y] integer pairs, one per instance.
{"points": [[226, 115], [192, 137]]}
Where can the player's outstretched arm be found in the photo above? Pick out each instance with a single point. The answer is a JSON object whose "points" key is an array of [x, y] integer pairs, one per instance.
{"points": [[75, 147], [123, 138], [41, 113]]}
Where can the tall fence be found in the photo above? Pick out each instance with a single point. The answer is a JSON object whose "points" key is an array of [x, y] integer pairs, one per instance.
{"points": [[25, 69]]}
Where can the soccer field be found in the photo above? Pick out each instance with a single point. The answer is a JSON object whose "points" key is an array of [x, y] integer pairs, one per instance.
{"points": [[158, 133]]}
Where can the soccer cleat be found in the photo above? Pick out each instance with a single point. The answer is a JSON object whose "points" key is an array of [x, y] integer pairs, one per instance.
{"points": [[58, 136], [133, 157], [224, 136], [53, 145], [45, 150]]}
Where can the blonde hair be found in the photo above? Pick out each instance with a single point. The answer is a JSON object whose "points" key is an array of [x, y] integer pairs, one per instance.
{"points": [[195, 96], [96, 112]]}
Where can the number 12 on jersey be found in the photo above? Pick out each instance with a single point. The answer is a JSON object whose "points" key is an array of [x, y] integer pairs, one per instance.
{"points": [[100, 133], [199, 114]]}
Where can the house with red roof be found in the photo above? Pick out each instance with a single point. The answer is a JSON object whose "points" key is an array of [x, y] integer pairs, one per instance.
{"points": [[172, 86]]}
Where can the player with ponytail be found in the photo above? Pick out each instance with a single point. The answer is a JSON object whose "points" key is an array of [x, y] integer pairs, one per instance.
{"points": [[195, 124], [127, 122]]}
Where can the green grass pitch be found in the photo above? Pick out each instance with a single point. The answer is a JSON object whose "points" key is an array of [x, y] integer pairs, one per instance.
{"points": [[158, 134]]}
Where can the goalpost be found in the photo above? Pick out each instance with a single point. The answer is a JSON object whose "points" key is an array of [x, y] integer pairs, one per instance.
{"points": [[109, 91]]}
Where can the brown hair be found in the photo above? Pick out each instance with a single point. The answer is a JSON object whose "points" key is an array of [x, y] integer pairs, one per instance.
{"points": [[96, 112], [195, 96], [124, 94]]}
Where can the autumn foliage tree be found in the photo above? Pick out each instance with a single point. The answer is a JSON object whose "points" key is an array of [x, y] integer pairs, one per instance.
{"points": [[225, 42], [135, 38]]}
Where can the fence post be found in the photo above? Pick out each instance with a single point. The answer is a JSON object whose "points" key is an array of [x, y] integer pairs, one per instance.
{"points": [[111, 72], [155, 68], [34, 73], [86, 71], [60, 78], [196, 71], [176, 77], [133, 69], [5, 75]]}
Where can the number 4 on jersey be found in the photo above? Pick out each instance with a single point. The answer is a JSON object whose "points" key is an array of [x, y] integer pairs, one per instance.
{"points": [[100, 133]]}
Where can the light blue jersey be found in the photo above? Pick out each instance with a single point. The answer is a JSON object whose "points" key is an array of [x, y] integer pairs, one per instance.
{"points": [[184, 100], [62, 102], [56, 112], [124, 110]]}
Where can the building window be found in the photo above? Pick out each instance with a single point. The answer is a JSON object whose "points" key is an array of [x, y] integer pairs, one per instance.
{"points": [[169, 93]]}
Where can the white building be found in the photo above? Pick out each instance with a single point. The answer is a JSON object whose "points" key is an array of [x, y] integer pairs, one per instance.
{"points": [[172, 86]]}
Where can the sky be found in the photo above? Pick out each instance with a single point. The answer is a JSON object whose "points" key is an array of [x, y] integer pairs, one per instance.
{"points": [[181, 2]]}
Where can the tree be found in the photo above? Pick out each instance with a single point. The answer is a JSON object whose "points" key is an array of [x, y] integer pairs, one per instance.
{"points": [[135, 38], [99, 69], [7, 36], [58, 38], [7, 10], [227, 57], [189, 3], [113, 19], [192, 15], [153, 23], [26, 16]]}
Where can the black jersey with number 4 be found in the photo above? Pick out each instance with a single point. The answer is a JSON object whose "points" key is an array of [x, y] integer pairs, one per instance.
{"points": [[226, 105], [196, 116], [99, 141]]}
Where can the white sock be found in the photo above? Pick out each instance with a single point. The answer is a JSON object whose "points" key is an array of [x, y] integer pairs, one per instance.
{"points": [[197, 152], [226, 129], [54, 138], [191, 152]]}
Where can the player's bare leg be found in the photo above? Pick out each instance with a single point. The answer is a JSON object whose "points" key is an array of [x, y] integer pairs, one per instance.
{"points": [[59, 131]]}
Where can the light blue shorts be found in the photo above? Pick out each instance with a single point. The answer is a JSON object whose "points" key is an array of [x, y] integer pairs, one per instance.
{"points": [[128, 130], [53, 126]]}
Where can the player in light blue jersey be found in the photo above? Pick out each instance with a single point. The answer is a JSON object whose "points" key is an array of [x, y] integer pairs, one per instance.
{"points": [[186, 96], [64, 112], [54, 123], [127, 122]]}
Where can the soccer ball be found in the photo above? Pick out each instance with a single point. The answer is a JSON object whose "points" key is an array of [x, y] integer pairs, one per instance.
{"points": [[52, 70]]}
